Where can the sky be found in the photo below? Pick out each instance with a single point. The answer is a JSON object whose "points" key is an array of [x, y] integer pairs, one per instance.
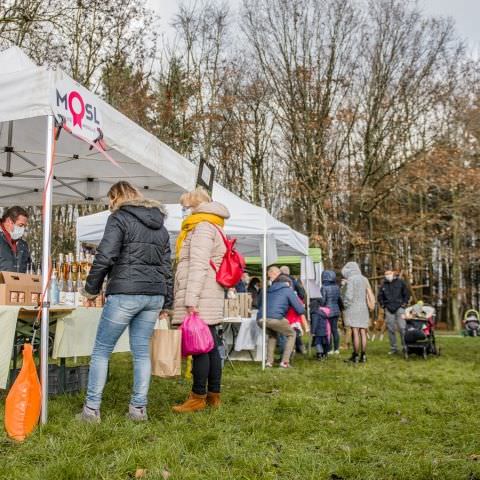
{"points": [[466, 13]]}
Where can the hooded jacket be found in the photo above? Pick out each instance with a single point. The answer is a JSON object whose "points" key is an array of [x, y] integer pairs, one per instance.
{"points": [[195, 279], [14, 262], [280, 297], [354, 297], [331, 294], [134, 253], [393, 295]]}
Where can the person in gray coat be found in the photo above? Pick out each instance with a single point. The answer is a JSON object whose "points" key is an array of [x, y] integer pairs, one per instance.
{"points": [[356, 314]]}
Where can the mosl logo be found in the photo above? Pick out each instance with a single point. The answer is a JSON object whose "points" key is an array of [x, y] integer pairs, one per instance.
{"points": [[78, 107]]}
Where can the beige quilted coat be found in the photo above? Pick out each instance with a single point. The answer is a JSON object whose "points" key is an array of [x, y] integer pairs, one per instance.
{"points": [[195, 284]]}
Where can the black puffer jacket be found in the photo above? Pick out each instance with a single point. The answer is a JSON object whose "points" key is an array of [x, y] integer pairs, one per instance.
{"points": [[134, 253], [393, 295], [10, 262]]}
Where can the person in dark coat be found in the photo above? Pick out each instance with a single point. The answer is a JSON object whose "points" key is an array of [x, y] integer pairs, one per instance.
{"points": [[321, 330], [280, 297], [254, 290], [242, 285], [393, 297], [14, 251], [297, 284], [331, 297], [134, 256]]}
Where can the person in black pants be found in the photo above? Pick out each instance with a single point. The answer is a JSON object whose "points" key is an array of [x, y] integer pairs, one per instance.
{"points": [[207, 368], [200, 251], [331, 297]]}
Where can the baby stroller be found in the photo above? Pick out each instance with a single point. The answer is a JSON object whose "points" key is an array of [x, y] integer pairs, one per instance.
{"points": [[420, 332], [471, 323]]}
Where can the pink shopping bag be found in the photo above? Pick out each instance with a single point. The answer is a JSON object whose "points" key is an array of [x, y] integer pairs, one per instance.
{"points": [[196, 336]]}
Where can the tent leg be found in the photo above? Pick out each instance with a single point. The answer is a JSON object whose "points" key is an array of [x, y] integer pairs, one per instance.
{"points": [[8, 167], [307, 309], [264, 300], [46, 252]]}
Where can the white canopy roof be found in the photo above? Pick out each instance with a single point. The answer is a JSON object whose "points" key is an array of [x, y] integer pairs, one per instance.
{"points": [[81, 174], [247, 223]]}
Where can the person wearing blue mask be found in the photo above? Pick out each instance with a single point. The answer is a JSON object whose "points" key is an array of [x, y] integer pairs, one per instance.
{"points": [[14, 251]]}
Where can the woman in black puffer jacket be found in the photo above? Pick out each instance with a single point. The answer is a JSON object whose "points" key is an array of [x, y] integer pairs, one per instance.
{"points": [[134, 255]]}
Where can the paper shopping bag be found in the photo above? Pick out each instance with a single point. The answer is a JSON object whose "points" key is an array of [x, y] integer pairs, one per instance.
{"points": [[166, 353]]}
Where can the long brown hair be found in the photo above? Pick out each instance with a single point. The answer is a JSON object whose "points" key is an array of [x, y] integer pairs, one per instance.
{"points": [[122, 192]]}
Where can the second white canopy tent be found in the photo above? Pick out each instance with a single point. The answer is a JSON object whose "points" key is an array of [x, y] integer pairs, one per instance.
{"points": [[248, 223]]}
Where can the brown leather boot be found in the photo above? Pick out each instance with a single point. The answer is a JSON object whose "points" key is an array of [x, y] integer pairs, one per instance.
{"points": [[193, 403], [213, 400]]}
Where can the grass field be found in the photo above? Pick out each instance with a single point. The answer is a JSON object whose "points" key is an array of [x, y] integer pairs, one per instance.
{"points": [[388, 419]]}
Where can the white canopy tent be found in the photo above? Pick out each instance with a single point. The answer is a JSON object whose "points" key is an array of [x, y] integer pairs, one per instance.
{"points": [[248, 224], [38, 168], [256, 231]]}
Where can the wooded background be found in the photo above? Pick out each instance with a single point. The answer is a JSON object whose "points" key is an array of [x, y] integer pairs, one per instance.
{"points": [[356, 122]]}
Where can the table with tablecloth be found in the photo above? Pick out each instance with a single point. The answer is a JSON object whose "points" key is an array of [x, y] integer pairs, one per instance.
{"points": [[74, 331], [75, 334], [246, 341], [8, 324]]}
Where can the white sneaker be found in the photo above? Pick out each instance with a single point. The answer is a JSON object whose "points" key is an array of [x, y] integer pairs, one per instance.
{"points": [[284, 365], [330, 352], [268, 365], [337, 352]]}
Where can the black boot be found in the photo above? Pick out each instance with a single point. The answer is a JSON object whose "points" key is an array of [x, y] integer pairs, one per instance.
{"points": [[319, 356], [353, 358], [363, 358]]}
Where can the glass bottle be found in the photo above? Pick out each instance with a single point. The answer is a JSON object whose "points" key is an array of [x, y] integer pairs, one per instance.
{"points": [[54, 290], [74, 267], [66, 267], [70, 291], [79, 292]]}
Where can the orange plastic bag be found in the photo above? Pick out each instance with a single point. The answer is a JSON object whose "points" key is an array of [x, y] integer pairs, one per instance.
{"points": [[23, 404]]}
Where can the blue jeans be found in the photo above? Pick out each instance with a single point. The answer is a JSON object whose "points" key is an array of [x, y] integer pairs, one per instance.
{"points": [[139, 312], [335, 345]]}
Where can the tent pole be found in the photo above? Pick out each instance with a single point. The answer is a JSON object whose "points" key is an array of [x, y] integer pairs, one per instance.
{"points": [[46, 252], [8, 168], [264, 299], [307, 305]]}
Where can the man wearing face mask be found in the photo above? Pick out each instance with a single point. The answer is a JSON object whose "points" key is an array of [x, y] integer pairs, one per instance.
{"points": [[393, 298], [14, 251]]}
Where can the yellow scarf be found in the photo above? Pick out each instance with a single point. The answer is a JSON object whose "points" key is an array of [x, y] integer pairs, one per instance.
{"points": [[191, 222]]}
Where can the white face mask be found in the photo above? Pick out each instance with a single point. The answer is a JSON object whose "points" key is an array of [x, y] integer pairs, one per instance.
{"points": [[17, 232], [186, 212], [389, 278]]}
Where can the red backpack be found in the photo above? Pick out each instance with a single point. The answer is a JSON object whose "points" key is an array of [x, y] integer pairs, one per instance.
{"points": [[233, 264]]}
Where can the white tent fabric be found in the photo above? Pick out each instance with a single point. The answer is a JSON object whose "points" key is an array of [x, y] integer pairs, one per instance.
{"points": [[28, 155], [247, 223], [81, 174]]}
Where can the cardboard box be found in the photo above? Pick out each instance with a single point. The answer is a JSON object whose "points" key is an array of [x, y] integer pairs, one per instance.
{"points": [[232, 308], [245, 305], [20, 289]]}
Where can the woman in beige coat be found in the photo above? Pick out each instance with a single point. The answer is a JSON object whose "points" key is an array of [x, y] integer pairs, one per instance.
{"points": [[196, 289]]}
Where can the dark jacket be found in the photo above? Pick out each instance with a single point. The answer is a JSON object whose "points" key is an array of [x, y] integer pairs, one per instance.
{"points": [[331, 294], [134, 253], [241, 287], [319, 319], [393, 295], [297, 286], [280, 297], [9, 262], [255, 296]]}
